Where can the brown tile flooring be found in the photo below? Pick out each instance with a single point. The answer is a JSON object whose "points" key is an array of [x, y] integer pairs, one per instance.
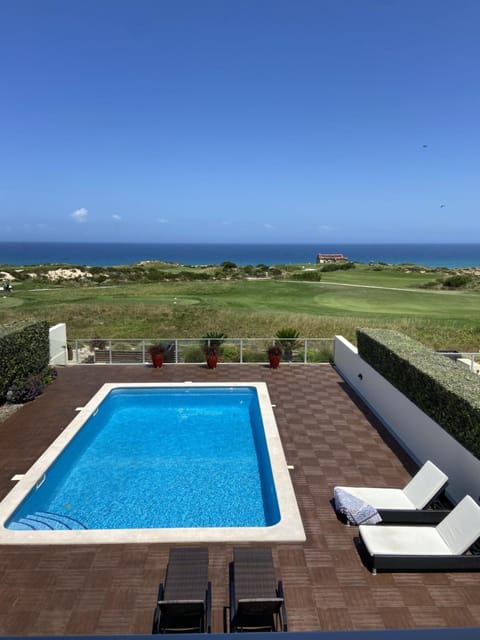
{"points": [[330, 438]]}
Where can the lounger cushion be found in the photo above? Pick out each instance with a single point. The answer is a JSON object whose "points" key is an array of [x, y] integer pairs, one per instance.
{"points": [[452, 537], [408, 541], [425, 485], [461, 528]]}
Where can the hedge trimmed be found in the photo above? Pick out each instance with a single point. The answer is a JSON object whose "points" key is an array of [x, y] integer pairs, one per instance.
{"points": [[24, 351], [446, 391]]}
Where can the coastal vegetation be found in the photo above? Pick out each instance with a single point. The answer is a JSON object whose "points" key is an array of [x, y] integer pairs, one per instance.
{"points": [[149, 299]]}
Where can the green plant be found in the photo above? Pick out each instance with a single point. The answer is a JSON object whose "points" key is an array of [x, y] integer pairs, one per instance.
{"points": [[307, 275], [274, 350], [288, 339], [446, 392], [156, 349], [456, 282], [27, 389], [231, 353], [213, 339]]}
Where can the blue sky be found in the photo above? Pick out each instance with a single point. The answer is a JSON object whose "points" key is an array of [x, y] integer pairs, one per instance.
{"points": [[240, 120]]}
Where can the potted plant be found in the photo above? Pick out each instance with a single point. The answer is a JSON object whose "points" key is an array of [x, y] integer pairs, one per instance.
{"points": [[211, 347], [274, 355], [211, 355], [288, 339], [157, 352]]}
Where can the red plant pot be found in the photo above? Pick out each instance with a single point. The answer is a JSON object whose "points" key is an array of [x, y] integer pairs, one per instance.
{"points": [[212, 362], [157, 360], [274, 361]]}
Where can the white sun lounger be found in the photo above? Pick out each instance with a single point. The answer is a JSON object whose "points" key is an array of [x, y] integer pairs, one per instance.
{"points": [[417, 548], [400, 505]]}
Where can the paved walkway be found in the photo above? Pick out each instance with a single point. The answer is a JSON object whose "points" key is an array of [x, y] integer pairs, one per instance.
{"points": [[329, 437]]}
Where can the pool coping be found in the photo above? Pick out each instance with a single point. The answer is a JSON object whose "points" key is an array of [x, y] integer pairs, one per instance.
{"points": [[288, 529]]}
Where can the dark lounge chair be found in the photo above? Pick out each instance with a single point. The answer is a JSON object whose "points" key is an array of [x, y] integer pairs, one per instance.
{"points": [[256, 600], [450, 546], [184, 603]]}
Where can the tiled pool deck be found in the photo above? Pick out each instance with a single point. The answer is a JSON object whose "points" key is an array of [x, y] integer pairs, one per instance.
{"points": [[329, 437]]}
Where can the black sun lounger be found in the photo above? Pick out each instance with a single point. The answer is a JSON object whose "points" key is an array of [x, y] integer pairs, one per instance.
{"points": [[450, 546], [184, 603], [256, 600]]}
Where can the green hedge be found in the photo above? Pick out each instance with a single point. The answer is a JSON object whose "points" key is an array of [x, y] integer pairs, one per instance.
{"points": [[24, 351], [446, 391]]}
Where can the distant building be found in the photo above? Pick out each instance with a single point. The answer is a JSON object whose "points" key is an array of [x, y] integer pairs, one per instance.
{"points": [[331, 257]]}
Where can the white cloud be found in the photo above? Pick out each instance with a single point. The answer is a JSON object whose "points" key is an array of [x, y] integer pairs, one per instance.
{"points": [[116, 217], [80, 215], [162, 220], [268, 226], [325, 227]]}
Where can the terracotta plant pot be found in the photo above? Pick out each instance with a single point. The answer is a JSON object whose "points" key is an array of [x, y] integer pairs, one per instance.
{"points": [[157, 360], [274, 361], [212, 361]]}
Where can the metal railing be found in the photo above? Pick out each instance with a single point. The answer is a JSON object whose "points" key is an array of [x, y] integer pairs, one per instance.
{"points": [[192, 350], [468, 359]]}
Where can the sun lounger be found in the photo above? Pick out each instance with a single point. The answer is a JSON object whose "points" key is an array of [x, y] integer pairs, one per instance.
{"points": [[407, 504], [256, 600], [184, 603], [446, 547]]}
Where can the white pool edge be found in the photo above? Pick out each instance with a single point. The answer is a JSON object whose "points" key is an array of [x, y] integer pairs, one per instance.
{"points": [[288, 529]]}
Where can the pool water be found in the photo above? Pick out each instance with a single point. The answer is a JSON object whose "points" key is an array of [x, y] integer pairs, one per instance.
{"points": [[160, 458]]}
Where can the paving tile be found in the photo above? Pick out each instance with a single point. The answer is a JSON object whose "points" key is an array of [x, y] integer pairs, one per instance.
{"points": [[329, 436]]}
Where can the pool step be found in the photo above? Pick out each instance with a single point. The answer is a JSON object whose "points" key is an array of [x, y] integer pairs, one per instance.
{"points": [[45, 520]]}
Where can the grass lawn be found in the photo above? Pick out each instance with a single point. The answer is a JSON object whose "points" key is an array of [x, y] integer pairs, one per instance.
{"points": [[342, 301]]}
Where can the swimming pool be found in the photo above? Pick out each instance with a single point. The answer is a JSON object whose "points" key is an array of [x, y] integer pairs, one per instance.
{"points": [[160, 463]]}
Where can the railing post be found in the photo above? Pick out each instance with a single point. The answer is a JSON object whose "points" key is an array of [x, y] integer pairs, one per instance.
{"points": [[305, 355], [110, 351], [143, 349], [76, 350], [176, 350], [241, 350]]}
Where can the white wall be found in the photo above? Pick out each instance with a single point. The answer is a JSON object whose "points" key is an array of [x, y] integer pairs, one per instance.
{"points": [[58, 344], [422, 438]]}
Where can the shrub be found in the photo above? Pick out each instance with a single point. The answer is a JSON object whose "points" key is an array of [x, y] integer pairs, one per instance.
{"points": [[231, 353], [25, 390], [24, 352], [213, 339], [288, 339], [456, 282], [444, 390], [324, 354], [253, 356], [307, 276], [338, 266]]}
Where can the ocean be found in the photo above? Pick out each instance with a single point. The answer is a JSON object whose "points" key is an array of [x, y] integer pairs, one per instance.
{"points": [[109, 254]]}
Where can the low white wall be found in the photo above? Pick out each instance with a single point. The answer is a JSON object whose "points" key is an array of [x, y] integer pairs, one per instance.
{"points": [[58, 344], [421, 436]]}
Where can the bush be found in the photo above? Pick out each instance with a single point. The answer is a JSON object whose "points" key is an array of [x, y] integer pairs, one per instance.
{"points": [[231, 353], [288, 339], [444, 390], [338, 266], [27, 389], [324, 354], [456, 282], [307, 276], [24, 352], [254, 356]]}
